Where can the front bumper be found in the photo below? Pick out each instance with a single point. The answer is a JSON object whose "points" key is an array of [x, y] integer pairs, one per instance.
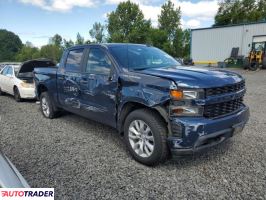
{"points": [[198, 133]]}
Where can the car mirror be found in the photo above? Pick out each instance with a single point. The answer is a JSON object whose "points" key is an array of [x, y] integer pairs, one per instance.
{"points": [[9, 75]]}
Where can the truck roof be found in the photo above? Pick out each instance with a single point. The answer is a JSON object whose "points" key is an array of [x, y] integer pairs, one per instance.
{"points": [[105, 45]]}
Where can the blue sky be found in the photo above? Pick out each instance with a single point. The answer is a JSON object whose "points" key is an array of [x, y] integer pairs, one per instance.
{"points": [[38, 20]]}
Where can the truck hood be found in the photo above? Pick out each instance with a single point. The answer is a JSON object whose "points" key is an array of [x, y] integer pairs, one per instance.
{"points": [[194, 77]]}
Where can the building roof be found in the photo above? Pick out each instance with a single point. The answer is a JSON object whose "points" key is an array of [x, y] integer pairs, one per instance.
{"points": [[231, 25]]}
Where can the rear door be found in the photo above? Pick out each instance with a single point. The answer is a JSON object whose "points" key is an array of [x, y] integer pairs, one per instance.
{"points": [[4, 79], [99, 86], [10, 80], [68, 79]]}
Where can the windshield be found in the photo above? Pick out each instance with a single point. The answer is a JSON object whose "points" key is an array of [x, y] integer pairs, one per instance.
{"points": [[139, 57]]}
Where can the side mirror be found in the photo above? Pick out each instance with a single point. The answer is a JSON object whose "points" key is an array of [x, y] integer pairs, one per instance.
{"points": [[9, 75]]}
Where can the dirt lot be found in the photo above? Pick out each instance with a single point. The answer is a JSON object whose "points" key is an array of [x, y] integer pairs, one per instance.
{"points": [[82, 159]]}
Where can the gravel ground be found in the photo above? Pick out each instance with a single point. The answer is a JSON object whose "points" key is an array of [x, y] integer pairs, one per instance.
{"points": [[82, 159]]}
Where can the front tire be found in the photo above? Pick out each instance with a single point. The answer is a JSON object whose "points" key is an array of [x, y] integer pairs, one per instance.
{"points": [[46, 106], [145, 136], [17, 95]]}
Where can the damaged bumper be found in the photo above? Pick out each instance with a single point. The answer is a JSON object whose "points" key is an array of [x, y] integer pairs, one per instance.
{"points": [[27, 93], [198, 133]]}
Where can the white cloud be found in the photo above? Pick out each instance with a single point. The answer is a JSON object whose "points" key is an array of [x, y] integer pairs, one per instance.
{"points": [[202, 9], [195, 13], [192, 23], [60, 5], [151, 12]]}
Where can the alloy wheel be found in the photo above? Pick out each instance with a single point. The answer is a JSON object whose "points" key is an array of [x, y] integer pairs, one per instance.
{"points": [[141, 138], [45, 107]]}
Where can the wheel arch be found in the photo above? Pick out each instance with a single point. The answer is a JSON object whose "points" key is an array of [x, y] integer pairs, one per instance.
{"points": [[40, 89], [130, 106]]}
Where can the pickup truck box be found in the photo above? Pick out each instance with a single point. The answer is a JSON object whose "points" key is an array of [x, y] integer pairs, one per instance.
{"points": [[160, 107]]}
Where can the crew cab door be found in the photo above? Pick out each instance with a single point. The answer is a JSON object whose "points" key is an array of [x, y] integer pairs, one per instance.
{"points": [[99, 86], [68, 79]]}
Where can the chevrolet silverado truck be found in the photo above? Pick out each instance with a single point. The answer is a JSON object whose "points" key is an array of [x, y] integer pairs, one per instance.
{"points": [[160, 107]]}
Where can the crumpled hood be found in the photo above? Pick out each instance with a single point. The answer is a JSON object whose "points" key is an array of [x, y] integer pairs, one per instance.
{"points": [[195, 77]]}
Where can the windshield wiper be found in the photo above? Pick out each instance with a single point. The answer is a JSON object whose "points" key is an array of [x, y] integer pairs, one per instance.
{"points": [[141, 68]]}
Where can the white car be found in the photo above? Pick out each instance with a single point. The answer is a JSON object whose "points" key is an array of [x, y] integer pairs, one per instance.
{"points": [[17, 80]]}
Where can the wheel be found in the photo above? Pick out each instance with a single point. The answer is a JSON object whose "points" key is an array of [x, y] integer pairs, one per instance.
{"points": [[17, 95], [254, 65], [47, 107], [264, 63], [145, 137], [246, 63]]}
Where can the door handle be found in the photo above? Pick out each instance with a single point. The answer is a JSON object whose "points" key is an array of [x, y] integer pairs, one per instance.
{"points": [[83, 81]]}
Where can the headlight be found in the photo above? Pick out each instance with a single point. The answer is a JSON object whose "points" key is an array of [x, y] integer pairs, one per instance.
{"points": [[184, 94], [186, 111]]}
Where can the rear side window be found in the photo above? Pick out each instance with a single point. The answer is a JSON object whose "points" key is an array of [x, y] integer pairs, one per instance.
{"points": [[5, 70], [10, 71], [74, 59]]}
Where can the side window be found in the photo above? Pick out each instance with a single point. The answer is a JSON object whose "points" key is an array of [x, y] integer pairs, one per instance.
{"points": [[98, 62], [5, 71], [74, 58], [10, 71]]}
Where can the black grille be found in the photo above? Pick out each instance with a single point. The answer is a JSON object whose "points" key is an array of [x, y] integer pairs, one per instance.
{"points": [[219, 109], [225, 89]]}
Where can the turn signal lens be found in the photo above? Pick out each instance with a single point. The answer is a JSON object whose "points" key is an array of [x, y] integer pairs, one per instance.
{"points": [[176, 94]]}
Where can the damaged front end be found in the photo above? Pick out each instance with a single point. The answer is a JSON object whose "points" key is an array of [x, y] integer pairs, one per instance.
{"points": [[199, 120]]}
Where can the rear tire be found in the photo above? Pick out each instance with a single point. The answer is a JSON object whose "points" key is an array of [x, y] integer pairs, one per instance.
{"points": [[47, 107], [254, 65], [17, 95], [145, 136]]}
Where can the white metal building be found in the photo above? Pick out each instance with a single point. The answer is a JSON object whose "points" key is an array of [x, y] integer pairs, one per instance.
{"points": [[211, 45]]}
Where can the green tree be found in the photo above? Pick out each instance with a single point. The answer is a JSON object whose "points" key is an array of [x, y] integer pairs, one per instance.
{"points": [[240, 11], [169, 22], [186, 38], [68, 43], [52, 52], [97, 32], [57, 40], [79, 40], [169, 19], [127, 24], [10, 45], [158, 37], [27, 53]]}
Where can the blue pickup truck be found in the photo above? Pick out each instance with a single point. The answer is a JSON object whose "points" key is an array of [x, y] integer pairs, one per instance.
{"points": [[160, 107]]}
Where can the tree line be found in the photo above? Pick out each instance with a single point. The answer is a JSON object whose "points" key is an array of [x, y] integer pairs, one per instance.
{"points": [[127, 24], [240, 11]]}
